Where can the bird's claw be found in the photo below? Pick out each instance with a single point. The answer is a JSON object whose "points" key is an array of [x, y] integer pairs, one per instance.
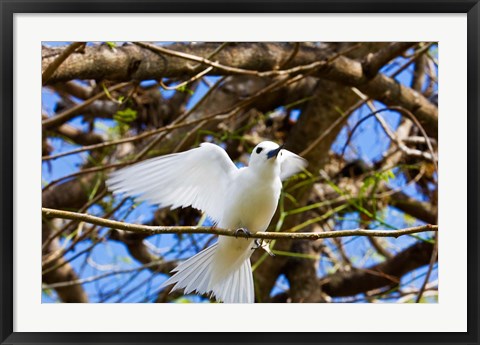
{"points": [[258, 244], [264, 245], [246, 232]]}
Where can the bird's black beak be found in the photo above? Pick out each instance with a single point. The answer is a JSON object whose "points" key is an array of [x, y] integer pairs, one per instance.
{"points": [[274, 153]]}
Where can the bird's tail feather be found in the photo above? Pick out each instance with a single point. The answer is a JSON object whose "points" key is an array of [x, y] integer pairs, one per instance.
{"points": [[195, 275]]}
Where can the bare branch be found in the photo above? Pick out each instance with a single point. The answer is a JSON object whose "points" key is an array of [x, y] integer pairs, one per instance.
{"points": [[259, 60], [101, 276], [59, 60], [154, 230], [68, 114], [78, 136], [342, 284], [374, 62], [418, 209]]}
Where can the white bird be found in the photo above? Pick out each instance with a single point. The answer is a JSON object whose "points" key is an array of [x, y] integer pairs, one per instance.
{"points": [[205, 178]]}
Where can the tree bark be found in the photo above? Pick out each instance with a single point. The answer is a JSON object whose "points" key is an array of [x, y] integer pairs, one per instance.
{"points": [[131, 62]]}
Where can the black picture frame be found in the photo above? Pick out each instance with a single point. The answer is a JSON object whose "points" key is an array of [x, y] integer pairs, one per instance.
{"points": [[9, 8]]}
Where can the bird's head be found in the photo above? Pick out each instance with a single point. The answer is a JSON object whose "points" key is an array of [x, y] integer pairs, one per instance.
{"points": [[266, 156], [269, 159]]}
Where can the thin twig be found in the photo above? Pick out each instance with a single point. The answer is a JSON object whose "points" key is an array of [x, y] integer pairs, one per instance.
{"points": [[344, 117], [69, 225], [83, 172], [234, 70], [219, 116], [388, 131], [271, 88], [292, 55], [185, 83], [101, 276], [433, 259], [414, 57], [59, 253], [68, 114], [174, 125], [199, 75], [404, 112], [154, 230]]}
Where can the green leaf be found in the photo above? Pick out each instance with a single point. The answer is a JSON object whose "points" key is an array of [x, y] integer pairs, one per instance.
{"points": [[48, 292], [125, 116], [317, 219], [295, 255], [183, 88], [182, 300], [111, 45], [293, 104], [386, 175], [367, 182], [408, 219], [126, 259]]}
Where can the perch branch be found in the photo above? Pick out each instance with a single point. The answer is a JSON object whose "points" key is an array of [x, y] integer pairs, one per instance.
{"points": [[154, 230]]}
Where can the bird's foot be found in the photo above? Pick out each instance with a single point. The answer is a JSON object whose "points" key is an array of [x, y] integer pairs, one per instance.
{"points": [[264, 245], [244, 231], [258, 244]]}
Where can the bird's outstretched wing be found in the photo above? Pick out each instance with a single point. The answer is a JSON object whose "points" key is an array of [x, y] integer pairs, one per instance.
{"points": [[197, 178], [291, 164]]}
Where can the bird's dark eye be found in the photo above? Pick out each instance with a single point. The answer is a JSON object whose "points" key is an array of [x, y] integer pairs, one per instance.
{"points": [[259, 149]]}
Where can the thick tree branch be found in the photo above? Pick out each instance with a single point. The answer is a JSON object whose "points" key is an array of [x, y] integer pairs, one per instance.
{"points": [[47, 73], [424, 211], [72, 194], [78, 136], [374, 62], [387, 273], [361, 280], [132, 62], [155, 230]]}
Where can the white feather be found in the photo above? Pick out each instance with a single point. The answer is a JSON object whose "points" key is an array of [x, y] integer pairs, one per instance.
{"points": [[197, 178], [291, 164]]}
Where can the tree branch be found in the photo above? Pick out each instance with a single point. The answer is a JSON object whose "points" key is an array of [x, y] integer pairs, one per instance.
{"points": [[59, 60], [374, 62], [72, 112], [154, 230], [425, 211], [78, 136], [133, 62], [91, 279], [387, 273], [360, 280]]}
